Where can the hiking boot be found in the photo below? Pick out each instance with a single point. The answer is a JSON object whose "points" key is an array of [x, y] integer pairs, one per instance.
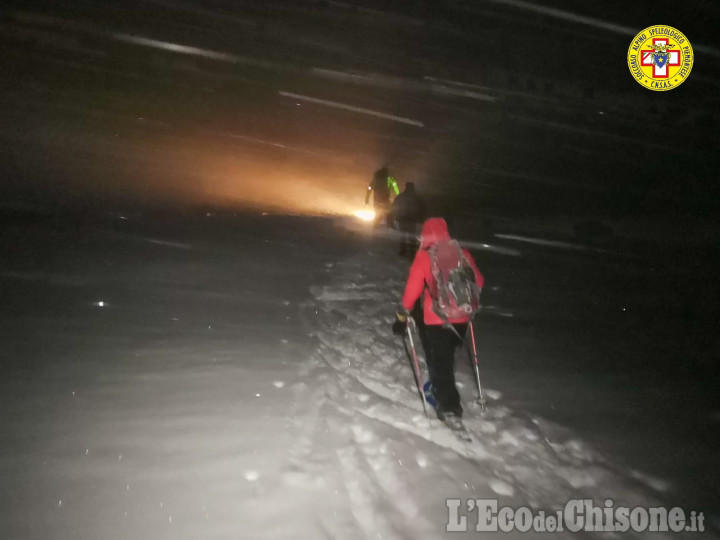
{"points": [[453, 421]]}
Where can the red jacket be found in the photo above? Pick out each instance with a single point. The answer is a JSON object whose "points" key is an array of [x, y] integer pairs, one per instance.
{"points": [[421, 278]]}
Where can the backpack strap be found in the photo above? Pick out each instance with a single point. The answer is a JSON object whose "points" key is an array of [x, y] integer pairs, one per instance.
{"points": [[446, 322]]}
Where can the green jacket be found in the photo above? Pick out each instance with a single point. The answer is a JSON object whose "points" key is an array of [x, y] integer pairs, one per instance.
{"points": [[381, 186]]}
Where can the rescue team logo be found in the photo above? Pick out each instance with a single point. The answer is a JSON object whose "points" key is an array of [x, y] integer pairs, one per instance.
{"points": [[660, 58]]}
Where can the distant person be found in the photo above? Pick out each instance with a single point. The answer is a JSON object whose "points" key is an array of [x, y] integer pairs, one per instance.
{"points": [[440, 335], [380, 187], [409, 212]]}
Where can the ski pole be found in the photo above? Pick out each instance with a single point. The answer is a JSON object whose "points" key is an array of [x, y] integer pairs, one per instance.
{"points": [[481, 399], [416, 364]]}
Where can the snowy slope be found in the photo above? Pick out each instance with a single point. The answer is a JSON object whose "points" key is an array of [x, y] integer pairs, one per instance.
{"points": [[241, 381], [413, 464]]}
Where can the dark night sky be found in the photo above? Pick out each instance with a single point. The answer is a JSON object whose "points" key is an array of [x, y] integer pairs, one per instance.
{"points": [[188, 101]]}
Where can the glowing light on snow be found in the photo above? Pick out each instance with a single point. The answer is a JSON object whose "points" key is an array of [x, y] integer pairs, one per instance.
{"points": [[365, 215], [100, 304]]}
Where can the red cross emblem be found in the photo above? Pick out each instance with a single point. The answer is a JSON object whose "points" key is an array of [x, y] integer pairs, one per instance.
{"points": [[673, 59]]}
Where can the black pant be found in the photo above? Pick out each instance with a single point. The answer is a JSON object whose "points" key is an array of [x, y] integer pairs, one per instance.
{"points": [[408, 238], [382, 213], [439, 344]]}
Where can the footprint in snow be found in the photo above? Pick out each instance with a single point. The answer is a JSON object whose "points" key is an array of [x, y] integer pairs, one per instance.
{"points": [[362, 435], [487, 427], [501, 488]]}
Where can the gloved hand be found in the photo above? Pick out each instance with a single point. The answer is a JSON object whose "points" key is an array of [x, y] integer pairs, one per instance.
{"points": [[398, 327]]}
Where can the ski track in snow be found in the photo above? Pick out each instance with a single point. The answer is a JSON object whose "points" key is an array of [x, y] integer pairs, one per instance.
{"points": [[391, 448], [174, 422]]}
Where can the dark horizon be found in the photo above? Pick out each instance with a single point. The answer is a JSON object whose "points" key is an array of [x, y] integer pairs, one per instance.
{"points": [[103, 104]]}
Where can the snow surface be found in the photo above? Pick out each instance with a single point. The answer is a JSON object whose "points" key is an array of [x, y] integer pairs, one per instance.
{"points": [[241, 381]]}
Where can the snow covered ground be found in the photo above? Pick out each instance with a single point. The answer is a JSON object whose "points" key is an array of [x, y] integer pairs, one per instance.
{"points": [[240, 380]]}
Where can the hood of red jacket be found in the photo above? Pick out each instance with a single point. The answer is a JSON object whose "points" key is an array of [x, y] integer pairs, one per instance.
{"points": [[434, 230]]}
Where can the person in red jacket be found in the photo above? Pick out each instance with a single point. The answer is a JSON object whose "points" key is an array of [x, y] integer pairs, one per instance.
{"points": [[439, 341]]}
